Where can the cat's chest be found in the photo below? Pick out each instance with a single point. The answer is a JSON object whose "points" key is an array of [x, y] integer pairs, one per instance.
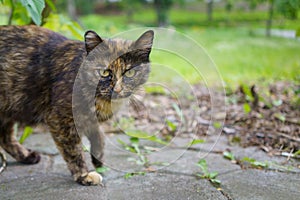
{"points": [[105, 109]]}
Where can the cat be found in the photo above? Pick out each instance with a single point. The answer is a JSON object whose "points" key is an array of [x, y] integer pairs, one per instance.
{"points": [[38, 70]]}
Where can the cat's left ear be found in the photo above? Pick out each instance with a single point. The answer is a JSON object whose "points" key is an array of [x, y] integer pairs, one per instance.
{"points": [[145, 41], [92, 39]]}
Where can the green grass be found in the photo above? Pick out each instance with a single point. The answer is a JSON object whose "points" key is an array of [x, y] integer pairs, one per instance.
{"points": [[230, 41], [240, 55], [183, 18]]}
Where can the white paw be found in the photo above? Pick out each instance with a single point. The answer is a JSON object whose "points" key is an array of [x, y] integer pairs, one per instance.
{"points": [[92, 178]]}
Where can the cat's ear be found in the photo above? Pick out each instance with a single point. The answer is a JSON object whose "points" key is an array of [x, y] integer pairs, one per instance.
{"points": [[145, 41], [92, 39]]}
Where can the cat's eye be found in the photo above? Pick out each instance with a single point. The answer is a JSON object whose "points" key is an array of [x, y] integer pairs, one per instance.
{"points": [[104, 73], [130, 73]]}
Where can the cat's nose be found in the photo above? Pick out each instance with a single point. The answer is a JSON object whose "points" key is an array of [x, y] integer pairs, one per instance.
{"points": [[118, 88]]}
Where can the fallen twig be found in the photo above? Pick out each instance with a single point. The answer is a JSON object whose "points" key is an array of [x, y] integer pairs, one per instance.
{"points": [[287, 136]]}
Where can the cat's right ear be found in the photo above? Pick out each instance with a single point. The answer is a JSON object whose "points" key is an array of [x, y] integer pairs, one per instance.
{"points": [[145, 41], [92, 39]]}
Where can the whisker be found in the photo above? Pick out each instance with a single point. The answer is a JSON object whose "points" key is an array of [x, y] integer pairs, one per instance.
{"points": [[138, 106]]}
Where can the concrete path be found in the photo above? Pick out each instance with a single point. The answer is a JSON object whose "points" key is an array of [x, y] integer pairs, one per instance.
{"points": [[50, 179]]}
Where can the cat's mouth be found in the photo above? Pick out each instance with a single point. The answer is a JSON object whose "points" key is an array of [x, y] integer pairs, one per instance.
{"points": [[113, 95], [121, 95]]}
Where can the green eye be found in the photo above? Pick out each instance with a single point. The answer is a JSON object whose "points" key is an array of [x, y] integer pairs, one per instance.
{"points": [[104, 73], [130, 73]]}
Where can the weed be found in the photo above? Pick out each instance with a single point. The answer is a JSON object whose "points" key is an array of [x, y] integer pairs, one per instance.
{"points": [[297, 153], [254, 163], [171, 126], [228, 155], [245, 160], [211, 176], [194, 142], [131, 174], [101, 170], [217, 125], [26, 133], [246, 108]]}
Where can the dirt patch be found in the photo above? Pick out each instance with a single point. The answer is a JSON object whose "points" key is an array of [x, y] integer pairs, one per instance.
{"points": [[266, 116]]}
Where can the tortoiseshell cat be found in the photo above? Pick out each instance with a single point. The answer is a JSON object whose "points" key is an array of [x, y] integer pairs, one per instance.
{"points": [[38, 68]]}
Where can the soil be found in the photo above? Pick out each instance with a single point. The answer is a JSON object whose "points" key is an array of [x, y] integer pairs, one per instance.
{"points": [[264, 116]]}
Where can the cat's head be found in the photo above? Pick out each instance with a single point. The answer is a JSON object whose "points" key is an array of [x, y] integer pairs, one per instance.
{"points": [[120, 66]]}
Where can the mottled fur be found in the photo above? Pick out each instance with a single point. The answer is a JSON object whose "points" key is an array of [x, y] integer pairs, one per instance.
{"points": [[38, 68]]}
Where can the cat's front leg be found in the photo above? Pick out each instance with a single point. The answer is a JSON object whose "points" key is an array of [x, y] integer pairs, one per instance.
{"points": [[97, 139], [69, 144]]}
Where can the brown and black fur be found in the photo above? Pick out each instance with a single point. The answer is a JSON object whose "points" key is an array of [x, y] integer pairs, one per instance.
{"points": [[38, 68]]}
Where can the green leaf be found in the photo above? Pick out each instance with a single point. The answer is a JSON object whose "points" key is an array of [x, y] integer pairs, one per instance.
{"points": [[280, 116], [153, 138], [215, 181], [297, 153], [260, 164], [203, 165], [247, 159], [137, 134], [122, 142], [217, 125], [35, 9], [131, 174], [128, 175], [143, 135], [51, 5], [195, 141], [102, 169], [213, 175], [20, 14], [247, 108], [228, 155], [135, 145], [179, 112], [247, 91], [171, 125], [155, 90], [26, 133], [134, 140], [255, 163]]}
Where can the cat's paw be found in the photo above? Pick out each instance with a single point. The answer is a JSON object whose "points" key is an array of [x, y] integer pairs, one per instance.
{"points": [[32, 158], [91, 178]]}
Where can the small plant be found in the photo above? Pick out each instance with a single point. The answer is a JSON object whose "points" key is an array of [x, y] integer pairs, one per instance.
{"points": [[297, 153], [26, 133], [211, 176], [171, 125], [179, 112], [254, 163], [131, 174], [142, 159], [195, 141], [228, 155], [246, 108], [133, 133], [217, 125], [102, 169], [135, 148]]}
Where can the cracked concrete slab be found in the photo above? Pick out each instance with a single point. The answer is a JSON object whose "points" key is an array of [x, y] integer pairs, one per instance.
{"points": [[259, 184], [50, 179]]}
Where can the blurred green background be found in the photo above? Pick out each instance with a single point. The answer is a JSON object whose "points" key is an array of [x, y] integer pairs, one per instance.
{"points": [[249, 40]]}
